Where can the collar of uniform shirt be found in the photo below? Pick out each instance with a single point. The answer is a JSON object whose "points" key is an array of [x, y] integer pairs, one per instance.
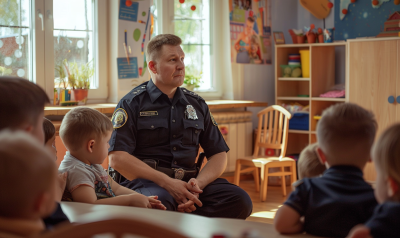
{"points": [[155, 93]]}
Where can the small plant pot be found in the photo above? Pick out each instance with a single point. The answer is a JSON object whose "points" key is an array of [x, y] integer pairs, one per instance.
{"points": [[81, 96], [300, 39], [311, 38], [294, 39], [321, 38]]}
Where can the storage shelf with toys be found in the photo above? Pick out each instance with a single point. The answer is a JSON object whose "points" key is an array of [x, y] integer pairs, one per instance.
{"points": [[322, 83]]}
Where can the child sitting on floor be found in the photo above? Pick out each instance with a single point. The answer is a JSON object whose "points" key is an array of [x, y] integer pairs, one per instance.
{"points": [[340, 199], [309, 164], [50, 136], [386, 156], [29, 173], [85, 133]]}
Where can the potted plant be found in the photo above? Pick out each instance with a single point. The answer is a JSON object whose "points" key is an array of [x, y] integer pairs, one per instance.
{"points": [[79, 79], [192, 81], [310, 34], [320, 35]]}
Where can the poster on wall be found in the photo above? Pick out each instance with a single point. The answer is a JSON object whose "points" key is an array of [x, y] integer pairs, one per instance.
{"points": [[250, 27], [134, 26], [366, 19]]}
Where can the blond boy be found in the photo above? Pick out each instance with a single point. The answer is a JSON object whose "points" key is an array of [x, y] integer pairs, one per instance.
{"points": [[386, 156], [29, 174], [309, 164], [335, 202], [85, 133]]}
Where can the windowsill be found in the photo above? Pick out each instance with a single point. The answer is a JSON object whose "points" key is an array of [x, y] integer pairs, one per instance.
{"points": [[108, 108]]}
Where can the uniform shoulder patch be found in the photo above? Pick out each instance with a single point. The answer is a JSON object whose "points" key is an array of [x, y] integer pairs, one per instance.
{"points": [[119, 118], [138, 90], [193, 94], [213, 120]]}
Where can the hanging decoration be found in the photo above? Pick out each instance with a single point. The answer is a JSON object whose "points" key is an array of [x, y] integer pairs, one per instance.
{"points": [[344, 5], [193, 7]]}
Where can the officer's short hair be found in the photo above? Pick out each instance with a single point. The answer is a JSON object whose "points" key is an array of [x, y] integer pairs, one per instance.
{"points": [[154, 46], [81, 124], [345, 134], [21, 101], [27, 170], [309, 165], [386, 153]]}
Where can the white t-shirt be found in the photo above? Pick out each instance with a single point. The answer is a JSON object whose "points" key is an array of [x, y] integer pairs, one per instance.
{"points": [[81, 174]]}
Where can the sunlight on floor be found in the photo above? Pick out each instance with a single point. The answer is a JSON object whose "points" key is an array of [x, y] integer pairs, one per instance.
{"points": [[265, 214]]}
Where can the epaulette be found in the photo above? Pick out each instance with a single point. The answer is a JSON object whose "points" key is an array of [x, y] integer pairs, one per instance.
{"points": [[192, 94], [297, 183], [138, 90]]}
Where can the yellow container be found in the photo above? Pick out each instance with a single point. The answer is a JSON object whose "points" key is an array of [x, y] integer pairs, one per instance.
{"points": [[305, 63]]}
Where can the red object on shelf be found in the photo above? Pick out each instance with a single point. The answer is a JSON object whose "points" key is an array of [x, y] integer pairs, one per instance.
{"points": [[330, 5], [344, 11], [181, 1], [193, 7], [128, 3]]}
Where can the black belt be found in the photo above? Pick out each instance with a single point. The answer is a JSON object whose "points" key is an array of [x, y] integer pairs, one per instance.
{"points": [[176, 173]]}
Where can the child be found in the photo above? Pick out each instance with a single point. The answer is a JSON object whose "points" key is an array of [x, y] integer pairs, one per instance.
{"points": [[50, 136], [309, 164], [386, 156], [85, 133], [340, 199], [25, 112], [254, 50], [29, 184]]}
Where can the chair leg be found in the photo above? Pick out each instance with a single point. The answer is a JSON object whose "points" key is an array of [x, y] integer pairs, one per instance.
{"points": [[236, 177], [294, 172], [283, 182], [264, 180], [256, 175]]}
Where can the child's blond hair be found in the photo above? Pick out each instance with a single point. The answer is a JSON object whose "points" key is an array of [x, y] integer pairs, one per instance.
{"points": [[309, 164], [27, 170], [386, 153], [345, 134], [81, 124]]}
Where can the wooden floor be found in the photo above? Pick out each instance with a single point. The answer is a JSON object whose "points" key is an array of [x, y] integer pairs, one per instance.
{"points": [[264, 211]]}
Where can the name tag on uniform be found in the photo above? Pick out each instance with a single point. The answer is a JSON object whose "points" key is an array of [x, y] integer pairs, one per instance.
{"points": [[148, 113]]}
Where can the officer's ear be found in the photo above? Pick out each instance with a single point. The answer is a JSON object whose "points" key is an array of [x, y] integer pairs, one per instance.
{"points": [[152, 66], [90, 145]]}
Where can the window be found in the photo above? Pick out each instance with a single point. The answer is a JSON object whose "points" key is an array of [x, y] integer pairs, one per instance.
{"points": [[38, 35], [194, 28]]}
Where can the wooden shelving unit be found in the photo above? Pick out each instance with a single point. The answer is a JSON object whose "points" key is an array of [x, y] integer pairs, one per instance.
{"points": [[323, 60]]}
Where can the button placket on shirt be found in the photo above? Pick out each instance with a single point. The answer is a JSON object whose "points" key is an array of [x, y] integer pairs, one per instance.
{"points": [[174, 132]]}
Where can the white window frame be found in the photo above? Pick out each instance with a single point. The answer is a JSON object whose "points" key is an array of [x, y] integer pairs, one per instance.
{"points": [[43, 48], [166, 24]]}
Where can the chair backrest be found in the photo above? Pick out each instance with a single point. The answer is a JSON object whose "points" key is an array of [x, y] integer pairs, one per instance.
{"points": [[272, 132], [114, 227]]}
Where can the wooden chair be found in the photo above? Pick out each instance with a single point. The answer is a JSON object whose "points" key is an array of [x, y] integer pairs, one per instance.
{"points": [[272, 132], [113, 227]]}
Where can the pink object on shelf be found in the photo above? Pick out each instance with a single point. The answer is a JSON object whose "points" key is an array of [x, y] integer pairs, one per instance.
{"points": [[334, 94]]}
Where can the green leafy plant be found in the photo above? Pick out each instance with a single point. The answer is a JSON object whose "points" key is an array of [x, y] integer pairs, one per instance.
{"points": [[79, 76], [61, 75], [192, 81]]}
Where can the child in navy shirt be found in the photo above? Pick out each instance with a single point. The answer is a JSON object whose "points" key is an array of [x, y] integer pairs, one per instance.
{"points": [[385, 221], [331, 205]]}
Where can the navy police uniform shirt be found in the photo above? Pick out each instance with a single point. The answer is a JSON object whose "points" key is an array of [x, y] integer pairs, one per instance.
{"points": [[148, 125], [385, 223], [333, 203]]}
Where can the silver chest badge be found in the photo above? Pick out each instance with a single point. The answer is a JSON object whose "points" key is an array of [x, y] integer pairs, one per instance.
{"points": [[190, 112]]}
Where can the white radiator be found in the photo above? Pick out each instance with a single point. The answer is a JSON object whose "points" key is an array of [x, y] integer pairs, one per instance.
{"points": [[237, 130]]}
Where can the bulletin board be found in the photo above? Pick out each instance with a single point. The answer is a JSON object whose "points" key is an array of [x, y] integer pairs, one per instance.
{"points": [[134, 26], [362, 18]]}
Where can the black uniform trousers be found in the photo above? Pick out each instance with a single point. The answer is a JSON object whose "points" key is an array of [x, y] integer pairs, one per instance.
{"points": [[220, 198]]}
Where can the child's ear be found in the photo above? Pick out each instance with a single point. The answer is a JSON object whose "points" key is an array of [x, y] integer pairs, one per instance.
{"points": [[44, 204], [90, 145], [393, 187], [320, 154]]}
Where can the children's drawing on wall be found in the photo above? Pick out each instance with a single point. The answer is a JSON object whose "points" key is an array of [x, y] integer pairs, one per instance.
{"points": [[250, 25], [133, 35], [355, 19]]}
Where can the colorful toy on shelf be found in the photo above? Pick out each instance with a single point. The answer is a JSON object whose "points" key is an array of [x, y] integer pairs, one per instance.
{"points": [[328, 35], [291, 71], [391, 26]]}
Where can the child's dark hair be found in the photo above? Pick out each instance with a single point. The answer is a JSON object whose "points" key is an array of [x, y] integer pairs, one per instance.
{"points": [[49, 129]]}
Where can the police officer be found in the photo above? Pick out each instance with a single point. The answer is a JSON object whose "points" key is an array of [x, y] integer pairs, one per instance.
{"points": [[158, 128]]}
